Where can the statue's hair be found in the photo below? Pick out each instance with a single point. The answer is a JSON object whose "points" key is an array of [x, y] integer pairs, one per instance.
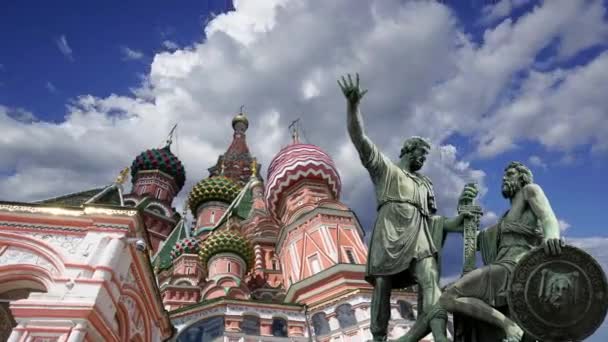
{"points": [[525, 175], [410, 144]]}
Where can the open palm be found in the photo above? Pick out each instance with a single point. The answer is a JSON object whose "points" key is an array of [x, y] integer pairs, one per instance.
{"points": [[351, 90]]}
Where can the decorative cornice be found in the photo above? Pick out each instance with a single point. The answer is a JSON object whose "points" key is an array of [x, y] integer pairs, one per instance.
{"points": [[39, 226], [74, 211], [316, 278]]}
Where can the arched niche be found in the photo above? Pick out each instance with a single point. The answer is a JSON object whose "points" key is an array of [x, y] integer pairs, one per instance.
{"points": [[203, 330], [346, 316], [250, 325], [279, 327], [320, 324]]}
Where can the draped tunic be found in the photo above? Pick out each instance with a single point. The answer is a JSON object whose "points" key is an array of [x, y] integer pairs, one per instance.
{"points": [[406, 228]]}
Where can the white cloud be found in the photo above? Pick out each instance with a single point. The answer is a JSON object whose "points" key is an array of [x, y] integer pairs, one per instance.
{"points": [[64, 48], [537, 161], [129, 54], [500, 10], [281, 60], [170, 45], [563, 225], [50, 87]]}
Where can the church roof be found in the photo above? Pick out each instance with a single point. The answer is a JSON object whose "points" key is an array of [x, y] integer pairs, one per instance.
{"points": [[162, 259], [111, 194]]}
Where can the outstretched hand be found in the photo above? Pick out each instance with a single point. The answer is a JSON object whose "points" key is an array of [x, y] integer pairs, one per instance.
{"points": [[351, 91]]}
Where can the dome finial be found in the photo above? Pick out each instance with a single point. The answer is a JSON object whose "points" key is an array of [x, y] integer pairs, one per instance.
{"points": [[240, 123], [293, 126], [170, 137], [122, 176]]}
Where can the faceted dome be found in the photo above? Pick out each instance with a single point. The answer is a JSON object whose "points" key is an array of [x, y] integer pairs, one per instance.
{"points": [[185, 246], [296, 162], [217, 188], [227, 241], [160, 159]]}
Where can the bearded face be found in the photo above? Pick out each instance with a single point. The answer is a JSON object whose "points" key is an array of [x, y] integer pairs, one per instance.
{"points": [[417, 158], [510, 183]]}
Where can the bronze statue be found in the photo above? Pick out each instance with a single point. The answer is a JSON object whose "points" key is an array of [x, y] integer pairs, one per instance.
{"points": [[528, 223], [407, 234]]}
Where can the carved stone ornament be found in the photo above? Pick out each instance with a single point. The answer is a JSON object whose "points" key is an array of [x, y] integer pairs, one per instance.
{"points": [[558, 298]]}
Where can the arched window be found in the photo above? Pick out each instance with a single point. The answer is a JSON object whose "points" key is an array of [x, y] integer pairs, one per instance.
{"points": [[251, 325], [279, 327], [320, 324], [157, 209], [346, 316], [205, 330], [406, 310]]}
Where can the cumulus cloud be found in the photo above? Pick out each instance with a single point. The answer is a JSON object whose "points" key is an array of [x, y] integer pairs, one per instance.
{"points": [[281, 59], [64, 48], [129, 54]]}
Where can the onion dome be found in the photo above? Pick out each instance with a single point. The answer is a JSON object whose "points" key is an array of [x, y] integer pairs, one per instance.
{"points": [[240, 118], [297, 162], [217, 188], [227, 241], [185, 246], [160, 159]]}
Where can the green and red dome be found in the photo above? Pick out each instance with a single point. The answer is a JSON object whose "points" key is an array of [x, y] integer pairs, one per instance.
{"points": [[160, 159], [189, 245], [216, 188], [227, 241]]}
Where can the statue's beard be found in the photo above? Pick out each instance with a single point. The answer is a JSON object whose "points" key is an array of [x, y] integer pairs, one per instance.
{"points": [[510, 188]]}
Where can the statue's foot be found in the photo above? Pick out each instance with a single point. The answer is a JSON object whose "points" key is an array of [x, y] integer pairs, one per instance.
{"points": [[513, 334]]}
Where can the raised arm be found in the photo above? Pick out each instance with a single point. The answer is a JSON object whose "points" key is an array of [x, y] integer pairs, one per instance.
{"points": [[542, 209], [354, 119]]}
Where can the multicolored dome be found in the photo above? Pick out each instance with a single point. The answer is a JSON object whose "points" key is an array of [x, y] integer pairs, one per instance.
{"points": [[160, 159], [227, 241], [296, 162], [189, 245], [217, 188]]}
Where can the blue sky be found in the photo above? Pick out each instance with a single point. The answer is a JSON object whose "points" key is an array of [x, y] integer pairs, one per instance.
{"points": [[84, 87]]}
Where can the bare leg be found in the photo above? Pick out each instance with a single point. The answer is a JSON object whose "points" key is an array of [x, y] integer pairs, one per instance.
{"points": [[478, 309]]}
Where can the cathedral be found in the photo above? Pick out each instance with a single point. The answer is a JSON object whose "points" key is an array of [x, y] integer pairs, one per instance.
{"points": [[274, 259]]}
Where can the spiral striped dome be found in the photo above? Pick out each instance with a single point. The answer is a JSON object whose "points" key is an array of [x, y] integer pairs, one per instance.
{"points": [[296, 162]]}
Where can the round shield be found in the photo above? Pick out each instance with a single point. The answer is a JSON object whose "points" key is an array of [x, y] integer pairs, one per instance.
{"points": [[558, 298]]}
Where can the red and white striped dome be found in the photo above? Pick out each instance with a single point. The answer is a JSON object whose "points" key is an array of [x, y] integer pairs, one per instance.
{"points": [[296, 162]]}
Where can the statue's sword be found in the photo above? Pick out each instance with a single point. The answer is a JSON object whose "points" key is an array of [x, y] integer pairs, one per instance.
{"points": [[471, 226]]}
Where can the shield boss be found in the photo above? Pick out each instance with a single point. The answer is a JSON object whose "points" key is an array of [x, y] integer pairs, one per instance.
{"points": [[558, 298]]}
